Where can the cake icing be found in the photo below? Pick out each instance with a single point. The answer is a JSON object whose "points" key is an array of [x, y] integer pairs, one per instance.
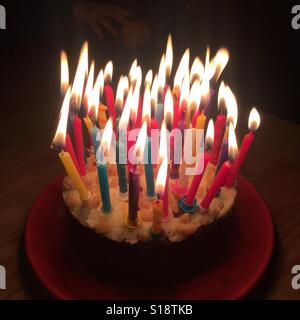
{"points": [[113, 225]]}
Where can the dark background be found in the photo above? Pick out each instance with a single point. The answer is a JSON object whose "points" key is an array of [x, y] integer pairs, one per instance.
{"points": [[263, 68]]}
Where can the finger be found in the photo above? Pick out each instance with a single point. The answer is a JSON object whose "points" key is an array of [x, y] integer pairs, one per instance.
{"points": [[117, 10], [94, 25], [107, 24]]}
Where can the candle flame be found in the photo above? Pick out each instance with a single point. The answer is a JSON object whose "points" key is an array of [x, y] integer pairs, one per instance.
{"points": [[148, 78], [161, 78], [209, 139], [195, 96], [161, 178], [205, 90], [197, 70], [125, 85], [106, 136], [123, 123], [232, 144], [82, 70], [222, 97], [108, 71], [168, 108], [220, 61], [132, 70], [135, 102], [209, 68], [182, 69], [146, 114], [60, 135], [169, 56], [139, 146], [185, 89], [94, 96], [90, 81], [64, 73], [254, 120], [120, 93], [232, 108], [154, 92]]}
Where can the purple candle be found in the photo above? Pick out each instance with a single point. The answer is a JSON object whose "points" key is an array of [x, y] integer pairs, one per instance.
{"points": [[133, 198], [223, 156]]}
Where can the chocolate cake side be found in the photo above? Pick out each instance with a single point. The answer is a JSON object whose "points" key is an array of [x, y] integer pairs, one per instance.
{"points": [[152, 261]]}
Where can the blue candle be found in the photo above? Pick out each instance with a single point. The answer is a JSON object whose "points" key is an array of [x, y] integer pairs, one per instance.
{"points": [[104, 187], [149, 169], [159, 112], [223, 155]]}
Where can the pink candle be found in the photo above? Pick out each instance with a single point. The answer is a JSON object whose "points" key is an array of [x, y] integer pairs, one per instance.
{"points": [[69, 148], [110, 101], [216, 185], [175, 114], [191, 193], [165, 198], [154, 142], [218, 137], [79, 144], [240, 159]]}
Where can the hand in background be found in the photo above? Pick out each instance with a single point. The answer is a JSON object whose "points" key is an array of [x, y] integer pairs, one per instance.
{"points": [[113, 20]]}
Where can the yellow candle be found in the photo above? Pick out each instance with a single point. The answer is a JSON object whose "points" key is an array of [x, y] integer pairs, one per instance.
{"points": [[102, 116], [201, 119], [157, 216], [74, 175], [88, 122]]}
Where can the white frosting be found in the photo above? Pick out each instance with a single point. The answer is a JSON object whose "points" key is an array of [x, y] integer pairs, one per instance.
{"points": [[113, 225]]}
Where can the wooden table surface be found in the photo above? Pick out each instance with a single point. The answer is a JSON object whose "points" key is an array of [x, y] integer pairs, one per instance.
{"points": [[273, 166]]}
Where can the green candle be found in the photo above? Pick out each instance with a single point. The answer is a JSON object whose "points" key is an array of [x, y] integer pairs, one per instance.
{"points": [[104, 187]]}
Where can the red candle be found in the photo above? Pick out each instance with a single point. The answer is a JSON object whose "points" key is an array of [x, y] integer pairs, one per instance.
{"points": [[175, 114], [216, 185], [79, 144], [110, 101], [247, 141], [253, 124], [154, 142], [191, 193], [218, 137], [165, 198], [69, 148]]}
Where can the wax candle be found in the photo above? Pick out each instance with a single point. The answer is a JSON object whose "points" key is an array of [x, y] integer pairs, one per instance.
{"points": [[74, 175], [175, 114], [253, 124], [102, 118], [79, 148], [159, 113], [154, 135], [218, 182], [110, 101], [104, 187], [223, 155], [133, 198], [192, 191], [165, 198], [157, 217], [121, 167], [69, 148], [218, 137], [149, 169]]}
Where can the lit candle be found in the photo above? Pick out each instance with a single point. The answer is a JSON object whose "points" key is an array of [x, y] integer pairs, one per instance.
{"points": [[189, 201], [133, 198], [197, 70], [219, 127], [182, 70], [161, 80], [161, 188], [75, 103], [69, 148], [59, 142], [169, 58], [102, 168], [194, 102], [253, 124], [108, 91], [223, 173], [164, 156], [148, 154]]}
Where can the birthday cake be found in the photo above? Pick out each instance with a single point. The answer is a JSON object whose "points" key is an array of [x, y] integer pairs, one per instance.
{"points": [[164, 209]]}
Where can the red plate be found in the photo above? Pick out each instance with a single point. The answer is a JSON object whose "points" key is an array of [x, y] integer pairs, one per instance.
{"points": [[66, 277]]}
